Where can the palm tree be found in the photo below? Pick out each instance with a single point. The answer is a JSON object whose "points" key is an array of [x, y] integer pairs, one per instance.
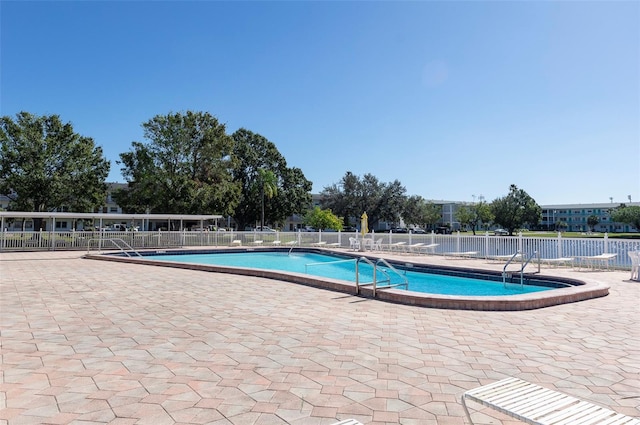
{"points": [[268, 187]]}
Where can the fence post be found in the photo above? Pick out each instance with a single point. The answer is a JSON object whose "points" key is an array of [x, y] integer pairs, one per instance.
{"points": [[458, 241], [486, 244], [605, 241], [520, 242], [559, 247]]}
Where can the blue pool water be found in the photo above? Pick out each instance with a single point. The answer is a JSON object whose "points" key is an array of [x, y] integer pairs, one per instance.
{"points": [[344, 269]]}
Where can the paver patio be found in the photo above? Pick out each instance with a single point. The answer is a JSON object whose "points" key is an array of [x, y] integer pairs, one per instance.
{"points": [[93, 342]]}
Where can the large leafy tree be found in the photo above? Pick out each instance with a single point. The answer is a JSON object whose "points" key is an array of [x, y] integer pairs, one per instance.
{"points": [[474, 215], [465, 216], [322, 219], [46, 166], [418, 211], [353, 196], [292, 190], [184, 168], [515, 210], [629, 214]]}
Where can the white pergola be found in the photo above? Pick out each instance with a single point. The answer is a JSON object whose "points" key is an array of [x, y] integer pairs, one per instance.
{"points": [[102, 217]]}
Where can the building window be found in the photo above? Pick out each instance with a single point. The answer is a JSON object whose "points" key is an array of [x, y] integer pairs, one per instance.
{"points": [[113, 209]]}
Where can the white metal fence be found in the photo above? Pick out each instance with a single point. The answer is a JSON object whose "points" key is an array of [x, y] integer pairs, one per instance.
{"points": [[486, 245]]}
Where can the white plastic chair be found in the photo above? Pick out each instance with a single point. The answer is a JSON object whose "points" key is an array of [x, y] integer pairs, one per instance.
{"points": [[635, 265], [354, 244]]}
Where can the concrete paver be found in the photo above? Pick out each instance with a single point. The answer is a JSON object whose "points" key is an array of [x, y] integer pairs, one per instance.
{"points": [[86, 342]]}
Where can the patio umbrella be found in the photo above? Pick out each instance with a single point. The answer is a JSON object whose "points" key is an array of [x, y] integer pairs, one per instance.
{"points": [[364, 224]]}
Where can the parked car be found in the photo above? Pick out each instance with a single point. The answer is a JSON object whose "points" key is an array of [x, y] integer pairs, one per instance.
{"points": [[264, 229], [418, 231], [501, 232], [399, 230], [443, 230]]}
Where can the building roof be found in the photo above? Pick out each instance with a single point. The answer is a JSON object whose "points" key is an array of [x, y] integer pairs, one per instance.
{"points": [[107, 216]]}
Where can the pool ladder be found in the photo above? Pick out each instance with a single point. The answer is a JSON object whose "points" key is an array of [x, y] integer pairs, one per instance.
{"points": [[118, 243], [509, 275], [374, 283]]}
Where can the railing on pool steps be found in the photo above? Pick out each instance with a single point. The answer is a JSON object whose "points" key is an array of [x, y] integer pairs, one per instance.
{"points": [[374, 283], [522, 256], [117, 242]]}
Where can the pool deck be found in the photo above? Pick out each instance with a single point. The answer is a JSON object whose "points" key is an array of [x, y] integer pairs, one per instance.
{"points": [[93, 342]]}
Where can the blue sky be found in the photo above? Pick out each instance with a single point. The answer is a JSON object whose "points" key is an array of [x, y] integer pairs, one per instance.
{"points": [[454, 99]]}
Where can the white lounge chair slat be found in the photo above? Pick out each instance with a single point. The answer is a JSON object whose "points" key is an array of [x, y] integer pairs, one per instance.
{"points": [[540, 409], [593, 418], [537, 405], [511, 389], [551, 406], [495, 385], [508, 400], [620, 419], [348, 422], [548, 398], [574, 414]]}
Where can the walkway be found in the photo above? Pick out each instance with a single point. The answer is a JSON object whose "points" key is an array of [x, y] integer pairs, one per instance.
{"points": [[93, 342]]}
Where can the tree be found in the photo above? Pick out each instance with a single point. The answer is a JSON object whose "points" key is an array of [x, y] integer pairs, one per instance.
{"points": [[352, 196], [46, 166], [474, 215], [185, 168], [465, 216], [268, 187], [322, 219], [515, 210], [254, 152], [592, 222], [629, 214], [418, 211]]}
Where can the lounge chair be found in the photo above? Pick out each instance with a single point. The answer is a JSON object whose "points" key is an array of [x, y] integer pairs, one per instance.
{"points": [[377, 245], [348, 422], [236, 242], [429, 249], [537, 405], [461, 254], [516, 257], [319, 244], [415, 247], [562, 261], [334, 245], [397, 246], [276, 243], [258, 242], [291, 243], [594, 261]]}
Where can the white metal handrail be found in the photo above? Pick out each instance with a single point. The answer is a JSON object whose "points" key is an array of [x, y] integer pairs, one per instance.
{"points": [[118, 242], [506, 274], [405, 282], [374, 283]]}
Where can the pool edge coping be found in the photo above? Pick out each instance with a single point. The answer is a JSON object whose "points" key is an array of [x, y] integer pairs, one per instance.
{"points": [[586, 290]]}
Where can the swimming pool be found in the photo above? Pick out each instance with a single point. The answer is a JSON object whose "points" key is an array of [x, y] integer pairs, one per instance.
{"points": [[568, 290], [344, 268]]}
